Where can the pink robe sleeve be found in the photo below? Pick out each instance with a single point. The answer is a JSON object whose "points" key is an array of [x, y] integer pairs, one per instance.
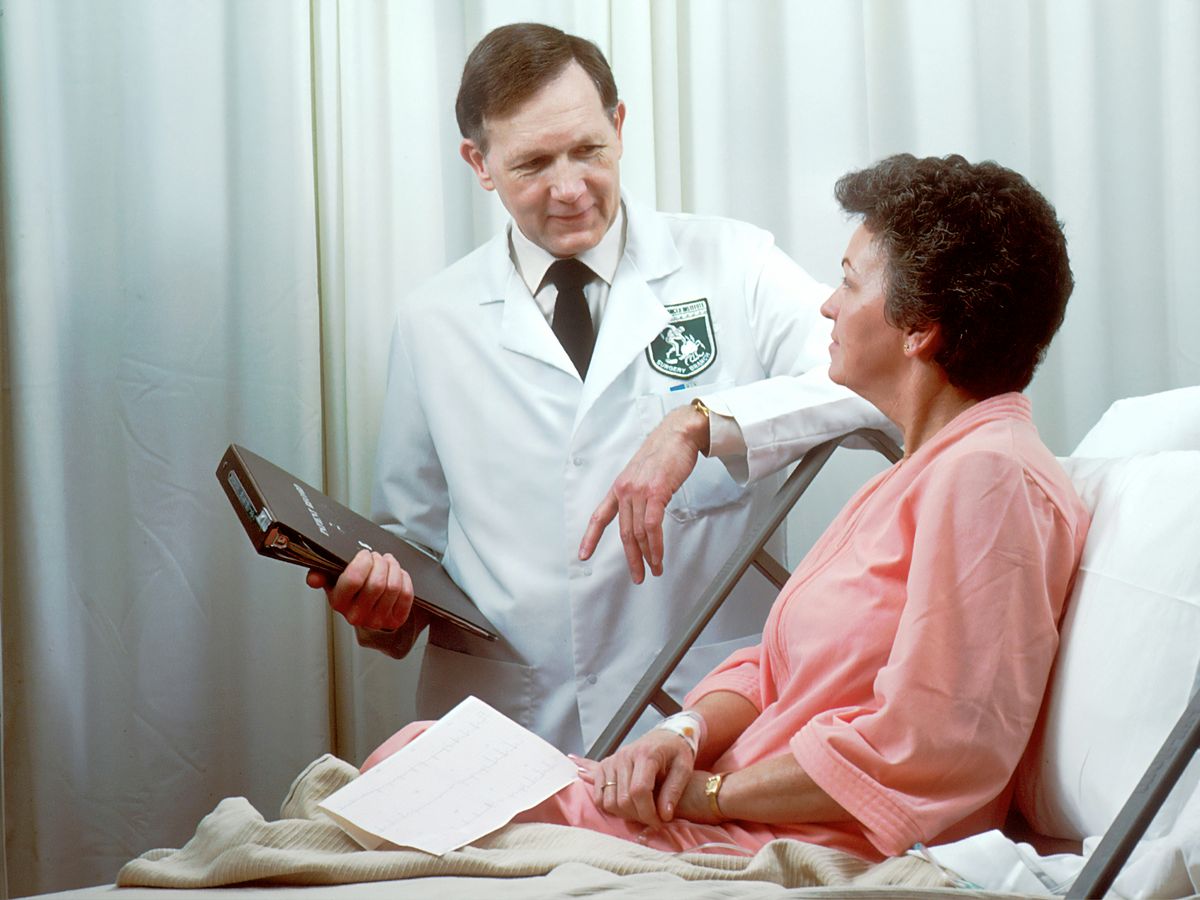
{"points": [[740, 673], [953, 707]]}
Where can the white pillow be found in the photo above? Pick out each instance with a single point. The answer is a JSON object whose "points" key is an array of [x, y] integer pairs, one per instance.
{"points": [[1166, 421], [1130, 651]]}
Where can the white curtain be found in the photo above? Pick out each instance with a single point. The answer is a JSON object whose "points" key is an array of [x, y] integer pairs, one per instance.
{"points": [[161, 302], [209, 207]]}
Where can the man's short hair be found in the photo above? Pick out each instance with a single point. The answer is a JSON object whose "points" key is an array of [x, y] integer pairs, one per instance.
{"points": [[512, 63], [974, 248]]}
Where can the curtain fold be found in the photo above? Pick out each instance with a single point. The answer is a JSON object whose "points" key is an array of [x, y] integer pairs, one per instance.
{"points": [[209, 209]]}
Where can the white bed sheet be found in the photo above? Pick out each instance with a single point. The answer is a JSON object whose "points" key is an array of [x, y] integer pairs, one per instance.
{"points": [[575, 880]]}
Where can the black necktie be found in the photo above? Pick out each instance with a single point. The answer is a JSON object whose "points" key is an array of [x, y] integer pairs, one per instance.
{"points": [[572, 318]]}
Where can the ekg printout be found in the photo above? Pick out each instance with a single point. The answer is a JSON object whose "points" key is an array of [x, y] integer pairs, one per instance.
{"points": [[470, 773]]}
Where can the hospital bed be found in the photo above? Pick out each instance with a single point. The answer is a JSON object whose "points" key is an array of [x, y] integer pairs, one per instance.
{"points": [[1112, 754]]}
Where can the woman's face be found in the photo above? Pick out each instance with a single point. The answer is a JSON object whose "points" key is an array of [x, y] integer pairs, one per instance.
{"points": [[867, 353]]}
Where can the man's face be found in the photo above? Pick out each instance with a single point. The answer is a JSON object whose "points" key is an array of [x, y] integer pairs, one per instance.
{"points": [[554, 164]]}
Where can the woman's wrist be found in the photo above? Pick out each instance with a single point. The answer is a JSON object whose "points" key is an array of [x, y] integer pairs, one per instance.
{"points": [[689, 725], [695, 805]]}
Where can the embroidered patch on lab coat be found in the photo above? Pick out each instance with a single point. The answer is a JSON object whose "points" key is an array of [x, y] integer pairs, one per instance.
{"points": [[686, 347]]}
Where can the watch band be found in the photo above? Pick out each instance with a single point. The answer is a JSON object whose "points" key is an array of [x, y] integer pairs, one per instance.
{"points": [[712, 787], [701, 407]]}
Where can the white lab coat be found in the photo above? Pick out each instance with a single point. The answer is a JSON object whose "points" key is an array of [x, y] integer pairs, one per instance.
{"points": [[493, 453]]}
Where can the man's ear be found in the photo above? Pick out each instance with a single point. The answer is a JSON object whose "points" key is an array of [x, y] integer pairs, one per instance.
{"points": [[475, 159], [618, 120]]}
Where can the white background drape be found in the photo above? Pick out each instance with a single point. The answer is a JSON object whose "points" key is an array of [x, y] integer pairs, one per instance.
{"points": [[209, 208]]}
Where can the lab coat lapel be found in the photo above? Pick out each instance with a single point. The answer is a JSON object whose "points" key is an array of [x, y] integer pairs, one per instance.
{"points": [[635, 314], [523, 328]]}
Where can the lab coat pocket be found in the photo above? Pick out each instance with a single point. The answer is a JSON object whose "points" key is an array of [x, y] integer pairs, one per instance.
{"points": [[448, 676], [710, 486]]}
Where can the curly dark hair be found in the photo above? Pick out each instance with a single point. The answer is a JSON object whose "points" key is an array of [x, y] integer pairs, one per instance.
{"points": [[512, 63], [974, 248]]}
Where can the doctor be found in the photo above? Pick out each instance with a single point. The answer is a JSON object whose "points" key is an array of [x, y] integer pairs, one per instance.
{"points": [[524, 376]]}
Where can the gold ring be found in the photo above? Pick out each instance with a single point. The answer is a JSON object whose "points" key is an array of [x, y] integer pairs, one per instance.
{"points": [[608, 784]]}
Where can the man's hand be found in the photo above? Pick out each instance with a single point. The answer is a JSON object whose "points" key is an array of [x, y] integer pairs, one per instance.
{"points": [[642, 490], [373, 592], [642, 782]]}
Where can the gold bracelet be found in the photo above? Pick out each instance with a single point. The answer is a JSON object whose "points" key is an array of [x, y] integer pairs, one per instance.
{"points": [[699, 406], [712, 787]]}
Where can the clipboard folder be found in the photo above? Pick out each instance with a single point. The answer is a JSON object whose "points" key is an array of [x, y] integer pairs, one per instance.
{"points": [[290, 520]]}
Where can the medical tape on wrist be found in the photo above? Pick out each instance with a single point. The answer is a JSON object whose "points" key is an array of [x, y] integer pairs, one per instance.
{"points": [[688, 725]]}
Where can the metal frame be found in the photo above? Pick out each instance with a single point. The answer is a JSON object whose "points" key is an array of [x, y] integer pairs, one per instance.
{"points": [[1143, 804]]}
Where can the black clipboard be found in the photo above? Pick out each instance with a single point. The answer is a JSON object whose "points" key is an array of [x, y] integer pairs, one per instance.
{"points": [[290, 520]]}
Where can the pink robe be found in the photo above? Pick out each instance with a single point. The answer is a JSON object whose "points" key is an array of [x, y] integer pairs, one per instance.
{"points": [[903, 664]]}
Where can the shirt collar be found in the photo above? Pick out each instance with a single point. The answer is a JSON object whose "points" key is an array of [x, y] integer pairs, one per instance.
{"points": [[532, 261]]}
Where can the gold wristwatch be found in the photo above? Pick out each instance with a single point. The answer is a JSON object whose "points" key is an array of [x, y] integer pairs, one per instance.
{"points": [[712, 788], [701, 408]]}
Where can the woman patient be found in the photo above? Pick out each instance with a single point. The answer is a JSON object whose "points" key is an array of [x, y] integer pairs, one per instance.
{"points": [[903, 665]]}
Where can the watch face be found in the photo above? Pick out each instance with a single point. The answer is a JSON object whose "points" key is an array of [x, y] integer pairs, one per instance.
{"points": [[711, 788]]}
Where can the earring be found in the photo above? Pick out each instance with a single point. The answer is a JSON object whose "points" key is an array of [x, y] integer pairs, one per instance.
{"points": [[908, 347]]}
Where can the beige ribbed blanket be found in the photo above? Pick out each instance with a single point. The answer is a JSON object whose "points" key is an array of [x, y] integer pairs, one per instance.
{"points": [[234, 844]]}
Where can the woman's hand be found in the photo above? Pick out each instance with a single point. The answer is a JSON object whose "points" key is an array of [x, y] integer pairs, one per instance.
{"points": [[644, 781]]}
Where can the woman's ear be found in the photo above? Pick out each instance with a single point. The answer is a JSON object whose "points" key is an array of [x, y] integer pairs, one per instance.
{"points": [[923, 342]]}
